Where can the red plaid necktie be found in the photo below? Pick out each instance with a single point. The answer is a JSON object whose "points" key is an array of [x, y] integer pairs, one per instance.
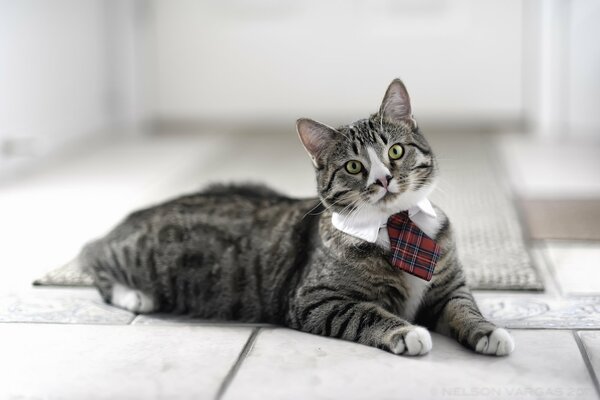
{"points": [[412, 250]]}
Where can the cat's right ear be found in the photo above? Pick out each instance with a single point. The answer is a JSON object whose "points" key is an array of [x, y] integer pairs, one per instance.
{"points": [[315, 137], [395, 107]]}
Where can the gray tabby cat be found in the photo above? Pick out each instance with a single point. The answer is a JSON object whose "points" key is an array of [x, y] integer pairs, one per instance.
{"points": [[247, 253]]}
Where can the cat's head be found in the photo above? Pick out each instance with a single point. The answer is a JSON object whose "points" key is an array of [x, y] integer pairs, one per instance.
{"points": [[383, 162]]}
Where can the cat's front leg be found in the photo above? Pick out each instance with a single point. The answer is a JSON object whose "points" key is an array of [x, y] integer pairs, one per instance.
{"points": [[456, 314], [362, 322]]}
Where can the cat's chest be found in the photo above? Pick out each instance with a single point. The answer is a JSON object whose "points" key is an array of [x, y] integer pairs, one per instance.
{"points": [[415, 286]]}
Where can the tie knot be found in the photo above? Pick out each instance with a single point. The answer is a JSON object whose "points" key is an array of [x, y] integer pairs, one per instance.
{"points": [[400, 217]]}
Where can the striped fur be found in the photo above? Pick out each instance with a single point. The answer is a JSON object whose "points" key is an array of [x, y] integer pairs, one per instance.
{"points": [[247, 253]]}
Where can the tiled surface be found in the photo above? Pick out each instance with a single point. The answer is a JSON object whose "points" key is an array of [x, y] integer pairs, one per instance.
{"points": [[591, 344], [51, 305], [570, 301], [576, 267], [541, 312], [285, 364], [115, 362]]}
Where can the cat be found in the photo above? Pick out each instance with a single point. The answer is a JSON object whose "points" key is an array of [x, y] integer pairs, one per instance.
{"points": [[248, 253]]}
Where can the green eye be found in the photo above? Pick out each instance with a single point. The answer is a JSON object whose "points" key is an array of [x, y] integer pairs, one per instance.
{"points": [[396, 151], [354, 167]]}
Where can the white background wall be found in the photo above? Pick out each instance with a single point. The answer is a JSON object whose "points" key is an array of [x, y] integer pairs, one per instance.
{"points": [[53, 72], [72, 69], [461, 59], [583, 68], [562, 74]]}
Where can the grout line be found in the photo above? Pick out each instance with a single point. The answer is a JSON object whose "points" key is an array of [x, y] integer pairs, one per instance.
{"points": [[587, 361], [238, 363]]}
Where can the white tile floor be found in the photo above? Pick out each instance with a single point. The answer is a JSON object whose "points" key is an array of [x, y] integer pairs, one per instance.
{"points": [[49, 361], [288, 364], [65, 343], [573, 264]]}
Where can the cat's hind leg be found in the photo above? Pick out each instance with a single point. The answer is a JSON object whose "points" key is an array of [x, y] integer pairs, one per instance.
{"points": [[109, 276], [131, 299]]}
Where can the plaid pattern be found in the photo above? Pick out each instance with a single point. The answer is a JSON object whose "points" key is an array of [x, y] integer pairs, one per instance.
{"points": [[412, 250]]}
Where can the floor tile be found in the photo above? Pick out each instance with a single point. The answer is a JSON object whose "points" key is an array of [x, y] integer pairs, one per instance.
{"points": [[576, 266], [116, 362], [67, 306], [285, 364], [530, 311], [591, 344], [549, 309]]}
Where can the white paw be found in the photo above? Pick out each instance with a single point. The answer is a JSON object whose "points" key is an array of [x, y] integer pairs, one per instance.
{"points": [[416, 342], [498, 343], [131, 299]]}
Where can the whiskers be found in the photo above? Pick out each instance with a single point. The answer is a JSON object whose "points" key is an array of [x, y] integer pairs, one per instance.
{"points": [[439, 184], [354, 211], [352, 197]]}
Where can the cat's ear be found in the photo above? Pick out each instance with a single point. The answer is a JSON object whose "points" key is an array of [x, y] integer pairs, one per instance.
{"points": [[395, 107], [315, 137]]}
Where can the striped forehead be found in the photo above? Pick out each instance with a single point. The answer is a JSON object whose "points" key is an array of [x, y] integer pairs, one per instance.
{"points": [[364, 133]]}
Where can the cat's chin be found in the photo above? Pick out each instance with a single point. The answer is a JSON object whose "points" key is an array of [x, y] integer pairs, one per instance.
{"points": [[392, 203]]}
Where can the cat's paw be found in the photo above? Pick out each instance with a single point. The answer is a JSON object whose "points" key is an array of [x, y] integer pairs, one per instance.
{"points": [[131, 299], [414, 341], [496, 343]]}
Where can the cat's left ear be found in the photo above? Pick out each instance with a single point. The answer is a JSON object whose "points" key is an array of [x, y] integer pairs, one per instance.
{"points": [[315, 137], [395, 107]]}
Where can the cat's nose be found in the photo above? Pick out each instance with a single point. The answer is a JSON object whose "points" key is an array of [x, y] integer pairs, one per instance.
{"points": [[383, 181]]}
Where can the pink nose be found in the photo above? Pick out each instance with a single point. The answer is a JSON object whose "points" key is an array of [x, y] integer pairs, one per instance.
{"points": [[383, 181]]}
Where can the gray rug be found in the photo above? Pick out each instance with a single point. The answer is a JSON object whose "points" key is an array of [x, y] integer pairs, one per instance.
{"points": [[66, 275], [475, 196]]}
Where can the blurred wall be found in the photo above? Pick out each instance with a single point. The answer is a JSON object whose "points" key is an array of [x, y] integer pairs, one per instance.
{"points": [[265, 59], [77, 69], [562, 67], [582, 103], [53, 74]]}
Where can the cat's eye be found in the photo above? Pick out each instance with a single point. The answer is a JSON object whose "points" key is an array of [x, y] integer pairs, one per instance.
{"points": [[396, 151], [354, 167]]}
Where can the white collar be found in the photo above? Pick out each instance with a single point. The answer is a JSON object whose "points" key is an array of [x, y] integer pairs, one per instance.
{"points": [[365, 224]]}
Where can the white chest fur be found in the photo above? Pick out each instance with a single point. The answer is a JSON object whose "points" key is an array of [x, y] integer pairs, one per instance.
{"points": [[416, 286]]}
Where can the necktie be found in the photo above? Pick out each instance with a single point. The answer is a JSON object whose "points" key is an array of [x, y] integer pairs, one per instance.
{"points": [[412, 250]]}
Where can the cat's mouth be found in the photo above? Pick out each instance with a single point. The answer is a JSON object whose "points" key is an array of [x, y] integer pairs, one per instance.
{"points": [[384, 196], [399, 195]]}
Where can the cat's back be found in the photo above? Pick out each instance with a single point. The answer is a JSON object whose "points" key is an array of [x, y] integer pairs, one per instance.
{"points": [[232, 212], [234, 207]]}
